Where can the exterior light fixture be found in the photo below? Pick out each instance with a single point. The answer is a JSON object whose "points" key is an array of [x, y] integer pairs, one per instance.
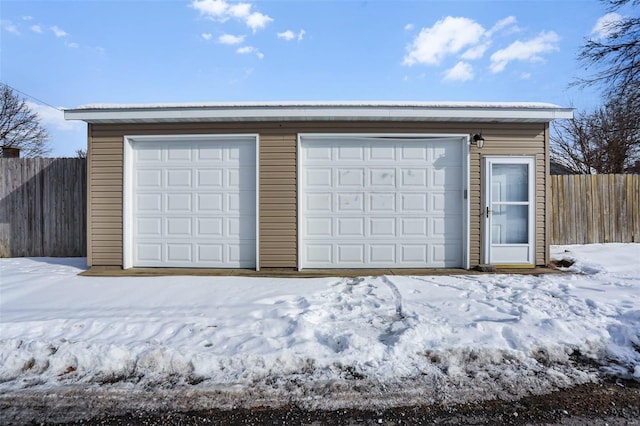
{"points": [[477, 140]]}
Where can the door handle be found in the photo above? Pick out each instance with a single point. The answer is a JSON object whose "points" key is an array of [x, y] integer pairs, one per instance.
{"points": [[488, 211]]}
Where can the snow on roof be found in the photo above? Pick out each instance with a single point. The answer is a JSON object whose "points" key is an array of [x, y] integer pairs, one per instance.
{"points": [[319, 110], [274, 104]]}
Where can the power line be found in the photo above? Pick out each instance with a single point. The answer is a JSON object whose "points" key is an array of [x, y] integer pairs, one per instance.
{"points": [[32, 97]]}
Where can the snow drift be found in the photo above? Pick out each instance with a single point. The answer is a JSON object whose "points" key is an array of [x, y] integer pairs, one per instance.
{"points": [[326, 342]]}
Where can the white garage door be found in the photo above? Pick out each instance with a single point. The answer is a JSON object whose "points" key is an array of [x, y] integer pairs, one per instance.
{"points": [[194, 202], [381, 202]]}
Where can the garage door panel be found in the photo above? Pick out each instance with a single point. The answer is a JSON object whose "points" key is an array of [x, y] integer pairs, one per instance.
{"points": [[382, 178], [242, 254], [211, 178], [412, 152], [413, 253], [349, 177], [317, 177], [318, 202], [446, 254], [179, 252], [150, 226], [413, 178], [349, 202], [148, 154], [208, 227], [448, 178], [209, 202], [178, 202], [318, 152], [150, 252], [413, 227], [210, 155], [347, 254], [381, 202], [149, 178], [350, 227], [382, 153], [318, 226], [149, 202], [382, 253], [349, 152], [178, 226], [178, 178], [413, 202], [382, 226], [194, 203], [319, 254], [210, 253]]}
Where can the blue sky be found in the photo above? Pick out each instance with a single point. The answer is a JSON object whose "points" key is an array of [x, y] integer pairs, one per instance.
{"points": [[70, 53]]}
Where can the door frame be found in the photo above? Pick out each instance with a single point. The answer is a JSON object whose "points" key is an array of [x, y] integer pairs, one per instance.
{"points": [[488, 161], [128, 190], [463, 138]]}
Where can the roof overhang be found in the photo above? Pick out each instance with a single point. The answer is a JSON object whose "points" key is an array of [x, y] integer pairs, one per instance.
{"points": [[321, 111]]}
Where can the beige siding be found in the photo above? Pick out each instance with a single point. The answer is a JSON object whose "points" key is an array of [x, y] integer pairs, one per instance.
{"points": [[278, 200], [278, 191]]}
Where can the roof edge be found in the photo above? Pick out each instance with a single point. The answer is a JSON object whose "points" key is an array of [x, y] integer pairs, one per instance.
{"points": [[296, 111]]}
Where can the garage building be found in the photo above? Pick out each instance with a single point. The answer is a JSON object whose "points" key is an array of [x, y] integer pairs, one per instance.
{"points": [[304, 185]]}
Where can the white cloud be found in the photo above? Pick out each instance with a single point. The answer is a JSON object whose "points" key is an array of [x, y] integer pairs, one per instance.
{"points": [[36, 29], [290, 35], [27, 18], [408, 27], [506, 23], [525, 75], [59, 32], [447, 36], [240, 9], [462, 71], [257, 21], [52, 118], [476, 52], [230, 39], [8, 26], [206, 36], [287, 35], [606, 25], [245, 50], [72, 45], [222, 11], [526, 51]]}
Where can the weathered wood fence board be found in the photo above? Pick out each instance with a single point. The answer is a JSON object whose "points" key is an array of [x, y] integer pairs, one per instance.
{"points": [[595, 209], [43, 207]]}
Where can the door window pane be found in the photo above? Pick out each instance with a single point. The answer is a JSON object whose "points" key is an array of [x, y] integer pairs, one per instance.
{"points": [[510, 182], [510, 224]]}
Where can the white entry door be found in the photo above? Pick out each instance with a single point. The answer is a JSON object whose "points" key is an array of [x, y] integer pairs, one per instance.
{"points": [[378, 202], [509, 210]]}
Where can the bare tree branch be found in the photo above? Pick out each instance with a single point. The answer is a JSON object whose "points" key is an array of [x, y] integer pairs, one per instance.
{"points": [[19, 126], [616, 58], [606, 140]]}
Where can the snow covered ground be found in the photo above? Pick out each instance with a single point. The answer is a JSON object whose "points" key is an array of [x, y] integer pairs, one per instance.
{"points": [[325, 342]]}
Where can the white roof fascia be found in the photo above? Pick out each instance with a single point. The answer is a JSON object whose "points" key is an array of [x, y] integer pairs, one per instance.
{"points": [[486, 112]]}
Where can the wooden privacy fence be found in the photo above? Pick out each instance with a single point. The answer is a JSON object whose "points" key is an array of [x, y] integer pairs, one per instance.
{"points": [[43, 207], [595, 209]]}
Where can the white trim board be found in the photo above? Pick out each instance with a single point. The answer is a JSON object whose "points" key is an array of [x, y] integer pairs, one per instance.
{"points": [[321, 111]]}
